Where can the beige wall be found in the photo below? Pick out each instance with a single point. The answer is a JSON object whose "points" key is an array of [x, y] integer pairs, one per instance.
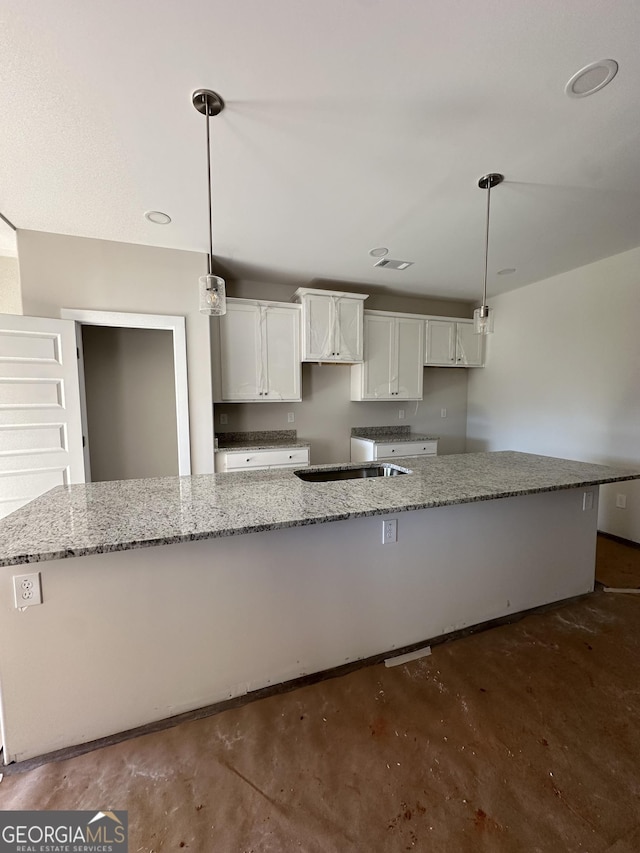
{"points": [[326, 414], [10, 296], [58, 271], [377, 301], [563, 377], [131, 406]]}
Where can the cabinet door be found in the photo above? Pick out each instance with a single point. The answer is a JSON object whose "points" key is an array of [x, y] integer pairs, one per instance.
{"points": [[469, 345], [319, 325], [348, 333], [441, 342], [240, 353], [281, 353], [379, 362], [409, 348]]}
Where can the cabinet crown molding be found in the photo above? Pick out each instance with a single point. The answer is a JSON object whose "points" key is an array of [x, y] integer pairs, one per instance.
{"points": [[306, 291]]}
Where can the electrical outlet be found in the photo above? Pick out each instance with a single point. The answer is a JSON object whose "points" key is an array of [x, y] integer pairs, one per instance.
{"points": [[587, 501], [27, 590], [621, 501], [224, 419], [291, 417], [401, 414], [389, 531], [443, 413]]}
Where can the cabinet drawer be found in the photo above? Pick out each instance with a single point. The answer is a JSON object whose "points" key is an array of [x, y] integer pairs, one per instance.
{"points": [[236, 461], [407, 448]]}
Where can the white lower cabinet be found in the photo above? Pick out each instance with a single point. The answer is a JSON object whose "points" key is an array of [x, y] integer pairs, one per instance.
{"points": [[370, 451], [256, 353], [453, 343], [393, 358], [257, 460]]}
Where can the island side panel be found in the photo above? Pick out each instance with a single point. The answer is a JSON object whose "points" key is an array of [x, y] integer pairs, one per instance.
{"points": [[132, 637]]}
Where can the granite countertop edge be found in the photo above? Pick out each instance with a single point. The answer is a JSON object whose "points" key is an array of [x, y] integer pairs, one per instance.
{"points": [[394, 438], [258, 444], [281, 482]]}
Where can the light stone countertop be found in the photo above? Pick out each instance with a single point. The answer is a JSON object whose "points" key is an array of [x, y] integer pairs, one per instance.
{"points": [[259, 440], [395, 438], [389, 434], [259, 444], [97, 518]]}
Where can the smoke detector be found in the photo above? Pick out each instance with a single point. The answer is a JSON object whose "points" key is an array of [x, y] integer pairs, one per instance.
{"points": [[157, 217], [591, 78]]}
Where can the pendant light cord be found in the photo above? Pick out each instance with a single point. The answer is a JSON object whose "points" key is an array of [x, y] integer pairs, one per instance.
{"points": [[210, 258], [486, 247]]}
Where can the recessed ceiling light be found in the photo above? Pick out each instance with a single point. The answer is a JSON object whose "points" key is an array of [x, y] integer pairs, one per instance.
{"points": [[379, 252], [394, 265], [506, 271], [591, 78], [157, 217]]}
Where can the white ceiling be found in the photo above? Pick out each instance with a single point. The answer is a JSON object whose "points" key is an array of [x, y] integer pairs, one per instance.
{"points": [[349, 124]]}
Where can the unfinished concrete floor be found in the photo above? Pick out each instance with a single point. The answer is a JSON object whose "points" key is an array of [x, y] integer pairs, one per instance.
{"points": [[521, 738]]}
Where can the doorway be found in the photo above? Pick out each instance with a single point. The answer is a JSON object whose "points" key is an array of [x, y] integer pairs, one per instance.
{"points": [[133, 387]]}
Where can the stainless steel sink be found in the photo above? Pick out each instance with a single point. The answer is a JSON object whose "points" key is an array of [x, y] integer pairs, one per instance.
{"points": [[327, 474]]}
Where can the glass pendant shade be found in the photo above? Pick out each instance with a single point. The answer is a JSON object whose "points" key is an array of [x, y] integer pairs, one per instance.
{"points": [[483, 320], [213, 299]]}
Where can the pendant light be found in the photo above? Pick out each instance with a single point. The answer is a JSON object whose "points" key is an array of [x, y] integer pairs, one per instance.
{"points": [[482, 316], [211, 287]]}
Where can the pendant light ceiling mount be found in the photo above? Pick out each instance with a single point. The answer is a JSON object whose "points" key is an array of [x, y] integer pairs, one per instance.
{"points": [[212, 288], [488, 182], [207, 102]]}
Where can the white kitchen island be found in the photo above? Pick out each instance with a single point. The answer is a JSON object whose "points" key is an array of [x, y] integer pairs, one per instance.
{"points": [[259, 578]]}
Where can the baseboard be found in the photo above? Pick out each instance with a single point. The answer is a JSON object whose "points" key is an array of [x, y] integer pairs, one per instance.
{"points": [[620, 539]]}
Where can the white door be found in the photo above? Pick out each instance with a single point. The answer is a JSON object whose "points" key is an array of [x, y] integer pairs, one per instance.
{"points": [[441, 342], [379, 363], [281, 353], [349, 329], [241, 353], [40, 424], [469, 345], [409, 349]]}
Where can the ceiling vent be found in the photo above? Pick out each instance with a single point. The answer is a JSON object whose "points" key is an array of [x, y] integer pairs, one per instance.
{"points": [[390, 264]]}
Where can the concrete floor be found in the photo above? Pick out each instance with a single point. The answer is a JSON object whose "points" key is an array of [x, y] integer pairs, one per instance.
{"points": [[521, 738]]}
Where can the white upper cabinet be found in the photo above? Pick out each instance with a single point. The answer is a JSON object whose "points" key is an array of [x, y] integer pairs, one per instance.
{"points": [[331, 325], [256, 352], [453, 343], [469, 345], [393, 358]]}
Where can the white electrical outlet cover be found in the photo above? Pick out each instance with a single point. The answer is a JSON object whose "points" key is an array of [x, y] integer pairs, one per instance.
{"points": [[27, 590], [389, 531]]}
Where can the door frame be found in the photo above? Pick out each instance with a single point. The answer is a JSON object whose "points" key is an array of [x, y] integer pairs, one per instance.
{"points": [[167, 322]]}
